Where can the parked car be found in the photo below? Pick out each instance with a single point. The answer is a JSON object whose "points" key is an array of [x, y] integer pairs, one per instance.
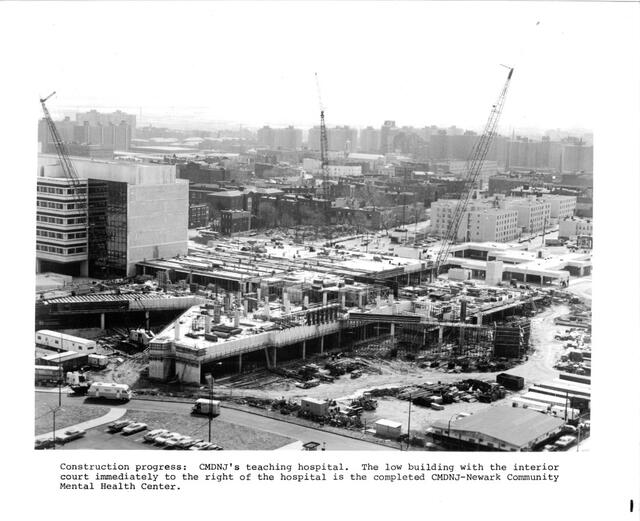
{"points": [[152, 435], [133, 428], [200, 446], [172, 443], [117, 426], [70, 435], [187, 443], [162, 439], [45, 443]]}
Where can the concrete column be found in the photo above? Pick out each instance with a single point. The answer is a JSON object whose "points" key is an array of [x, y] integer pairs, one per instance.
{"points": [[245, 305], [305, 302], [324, 298], [258, 292], [440, 334], [275, 355], [344, 300], [360, 300], [236, 318], [304, 349], [102, 321], [239, 363], [424, 336], [146, 320], [266, 306], [393, 329], [322, 344]]}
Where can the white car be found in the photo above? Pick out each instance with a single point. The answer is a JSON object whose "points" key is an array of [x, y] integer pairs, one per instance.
{"points": [[187, 443], [133, 428], [152, 435], [162, 439], [172, 443]]}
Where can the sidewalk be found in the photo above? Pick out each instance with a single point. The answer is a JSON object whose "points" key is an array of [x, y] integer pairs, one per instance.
{"points": [[113, 415]]}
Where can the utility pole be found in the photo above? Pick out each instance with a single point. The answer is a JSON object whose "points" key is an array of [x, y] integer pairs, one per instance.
{"points": [[409, 423]]}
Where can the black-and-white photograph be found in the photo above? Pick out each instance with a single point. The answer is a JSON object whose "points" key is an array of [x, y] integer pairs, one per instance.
{"points": [[361, 237], [284, 260]]}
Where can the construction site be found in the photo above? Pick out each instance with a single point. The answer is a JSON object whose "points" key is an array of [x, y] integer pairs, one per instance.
{"points": [[335, 331]]}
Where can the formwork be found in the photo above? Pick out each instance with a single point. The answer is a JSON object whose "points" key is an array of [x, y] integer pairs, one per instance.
{"points": [[511, 339]]}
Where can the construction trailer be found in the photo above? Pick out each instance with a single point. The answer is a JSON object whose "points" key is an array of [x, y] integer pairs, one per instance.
{"points": [[388, 429], [62, 342]]}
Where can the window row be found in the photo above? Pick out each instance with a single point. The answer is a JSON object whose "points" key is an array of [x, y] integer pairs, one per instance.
{"points": [[60, 235], [60, 220], [62, 206], [61, 191], [62, 251]]}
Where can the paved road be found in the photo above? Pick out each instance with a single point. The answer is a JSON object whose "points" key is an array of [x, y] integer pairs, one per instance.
{"points": [[298, 432]]}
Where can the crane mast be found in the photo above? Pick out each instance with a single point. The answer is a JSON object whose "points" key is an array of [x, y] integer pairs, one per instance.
{"points": [[474, 167], [324, 147], [80, 192]]}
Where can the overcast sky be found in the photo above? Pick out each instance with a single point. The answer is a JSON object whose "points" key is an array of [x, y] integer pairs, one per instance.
{"points": [[253, 63]]}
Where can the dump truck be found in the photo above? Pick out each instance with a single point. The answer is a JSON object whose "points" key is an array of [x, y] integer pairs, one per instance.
{"points": [[207, 407]]}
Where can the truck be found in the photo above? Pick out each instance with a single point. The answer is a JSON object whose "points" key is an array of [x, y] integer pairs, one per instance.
{"points": [[206, 406], [98, 361], [109, 391], [78, 382]]}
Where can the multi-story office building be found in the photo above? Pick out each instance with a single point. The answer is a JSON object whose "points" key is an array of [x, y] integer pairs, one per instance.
{"points": [[562, 206], [61, 226], [344, 170], [387, 133], [136, 211]]}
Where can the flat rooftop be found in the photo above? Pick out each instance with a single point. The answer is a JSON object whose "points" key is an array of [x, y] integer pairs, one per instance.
{"points": [[513, 425]]}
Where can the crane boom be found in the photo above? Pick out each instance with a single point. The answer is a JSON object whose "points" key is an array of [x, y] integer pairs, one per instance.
{"points": [[474, 167]]}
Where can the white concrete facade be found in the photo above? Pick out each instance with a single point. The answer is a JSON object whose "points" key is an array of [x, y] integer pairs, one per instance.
{"points": [[157, 203]]}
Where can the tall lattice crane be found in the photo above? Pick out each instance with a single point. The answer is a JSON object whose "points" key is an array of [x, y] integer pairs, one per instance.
{"points": [[474, 167], [324, 147], [80, 191]]}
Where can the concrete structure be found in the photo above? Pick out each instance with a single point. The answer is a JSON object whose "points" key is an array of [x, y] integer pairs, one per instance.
{"points": [[562, 206], [141, 208], [481, 222], [574, 227], [533, 213]]}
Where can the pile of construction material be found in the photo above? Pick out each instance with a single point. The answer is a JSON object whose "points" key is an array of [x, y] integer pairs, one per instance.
{"points": [[438, 395]]}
